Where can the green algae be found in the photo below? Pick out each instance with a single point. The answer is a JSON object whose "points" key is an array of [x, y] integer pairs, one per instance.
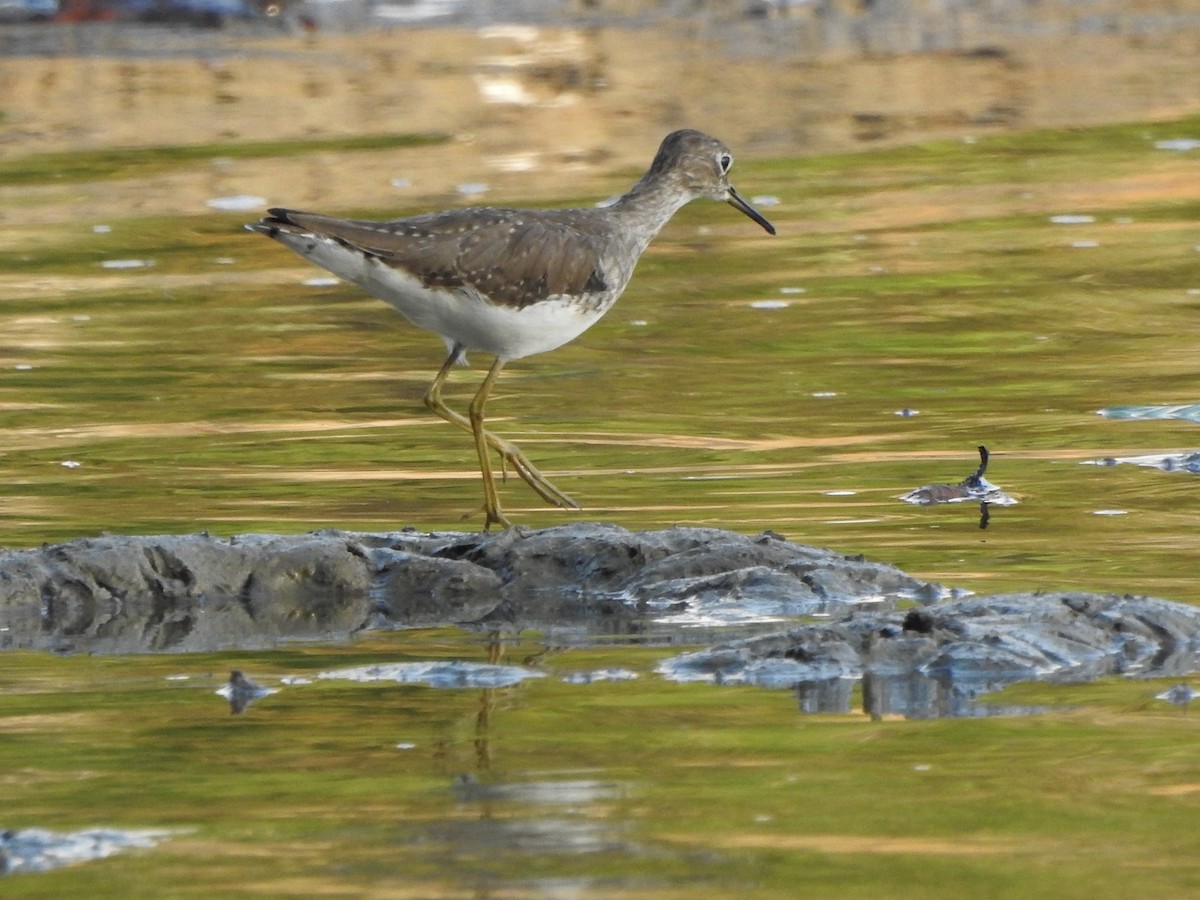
{"points": [[134, 162], [352, 788], [214, 390]]}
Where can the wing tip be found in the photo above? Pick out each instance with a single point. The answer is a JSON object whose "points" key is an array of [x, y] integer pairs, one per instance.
{"points": [[277, 219]]}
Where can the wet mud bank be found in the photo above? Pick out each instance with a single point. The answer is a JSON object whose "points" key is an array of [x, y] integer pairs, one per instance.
{"points": [[201, 593], [197, 592], [939, 660]]}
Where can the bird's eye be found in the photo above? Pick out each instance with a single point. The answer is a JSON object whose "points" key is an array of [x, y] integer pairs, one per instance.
{"points": [[726, 161]]}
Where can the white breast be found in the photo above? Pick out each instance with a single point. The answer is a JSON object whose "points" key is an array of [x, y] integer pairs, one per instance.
{"points": [[459, 315]]}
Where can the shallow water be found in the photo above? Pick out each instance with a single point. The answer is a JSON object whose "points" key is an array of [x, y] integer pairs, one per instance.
{"points": [[915, 305]]}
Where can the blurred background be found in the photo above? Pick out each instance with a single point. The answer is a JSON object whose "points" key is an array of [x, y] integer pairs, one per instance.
{"points": [[570, 87]]}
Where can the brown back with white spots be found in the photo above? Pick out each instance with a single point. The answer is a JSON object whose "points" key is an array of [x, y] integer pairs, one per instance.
{"points": [[514, 257]]}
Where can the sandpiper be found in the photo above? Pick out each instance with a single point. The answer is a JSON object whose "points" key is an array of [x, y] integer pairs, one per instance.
{"points": [[511, 282]]}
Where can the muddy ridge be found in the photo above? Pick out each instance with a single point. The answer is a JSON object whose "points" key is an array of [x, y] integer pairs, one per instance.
{"points": [[200, 593], [197, 592]]}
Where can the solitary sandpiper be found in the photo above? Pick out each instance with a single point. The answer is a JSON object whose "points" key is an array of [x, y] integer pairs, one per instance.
{"points": [[511, 282]]}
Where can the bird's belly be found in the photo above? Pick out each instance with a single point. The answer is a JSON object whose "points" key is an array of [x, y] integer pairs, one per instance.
{"points": [[463, 316], [459, 315]]}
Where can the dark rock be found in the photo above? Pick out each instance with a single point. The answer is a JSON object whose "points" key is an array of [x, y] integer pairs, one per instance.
{"points": [[918, 620], [425, 591], [988, 640], [196, 592], [186, 592]]}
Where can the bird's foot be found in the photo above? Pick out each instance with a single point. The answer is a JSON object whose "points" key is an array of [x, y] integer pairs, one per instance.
{"points": [[491, 517], [510, 454]]}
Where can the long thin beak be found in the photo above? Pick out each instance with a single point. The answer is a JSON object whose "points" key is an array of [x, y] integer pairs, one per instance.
{"points": [[738, 203]]}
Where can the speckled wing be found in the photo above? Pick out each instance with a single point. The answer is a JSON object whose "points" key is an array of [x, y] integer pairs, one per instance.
{"points": [[506, 255]]}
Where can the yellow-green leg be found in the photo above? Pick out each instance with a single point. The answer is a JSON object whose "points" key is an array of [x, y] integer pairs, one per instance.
{"points": [[509, 453], [491, 500]]}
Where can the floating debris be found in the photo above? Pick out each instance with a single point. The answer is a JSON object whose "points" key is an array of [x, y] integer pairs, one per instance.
{"points": [[237, 203], [1085, 245], [769, 304], [127, 263], [70, 464], [101, 229], [1072, 220], [442, 674], [793, 290], [1178, 144], [1110, 512], [321, 281], [40, 850], [599, 675], [907, 413], [824, 394], [241, 691], [1189, 412], [473, 188], [975, 488], [1180, 694], [401, 183], [1171, 462], [765, 200]]}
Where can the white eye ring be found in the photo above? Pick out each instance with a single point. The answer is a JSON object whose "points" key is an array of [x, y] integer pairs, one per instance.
{"points": [[726, 161]]}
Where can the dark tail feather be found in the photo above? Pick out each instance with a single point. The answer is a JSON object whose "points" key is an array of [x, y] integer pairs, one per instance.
{"points": [[277, 217]]}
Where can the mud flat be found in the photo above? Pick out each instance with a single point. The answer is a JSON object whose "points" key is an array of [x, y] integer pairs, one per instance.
{"points": [[197, 593], [533, 109]]}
